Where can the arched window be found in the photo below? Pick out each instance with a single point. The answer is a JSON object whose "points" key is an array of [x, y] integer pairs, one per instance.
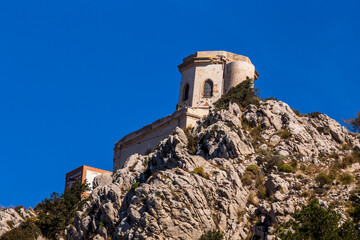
{"points": [[208, 88], [186, 92]]}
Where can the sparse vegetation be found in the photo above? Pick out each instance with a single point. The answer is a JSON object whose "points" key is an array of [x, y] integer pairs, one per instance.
{"points": [[350, 159], [212, 235], [271, 162], [101, 224], [324, 130], [323, 179], [346, 178], [286, 168], [255, 135], [283, 133], [297, 112], [243, 94], [57, 212], [192, 143], [252, 199], [252, 168], [354, 123], [201, 172], [247, 178], [27, 230], [313, 115], [354, 210], [316, 222], [135, 185], [10, 224]]}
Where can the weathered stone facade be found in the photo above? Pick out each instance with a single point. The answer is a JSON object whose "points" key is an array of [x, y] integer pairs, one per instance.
{"points": [[206, 76]]}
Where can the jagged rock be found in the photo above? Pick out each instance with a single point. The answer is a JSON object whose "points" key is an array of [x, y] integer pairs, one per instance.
{"points": [[175, 193], [275, 139], [275, 183], [102, 180], [9, 218]]}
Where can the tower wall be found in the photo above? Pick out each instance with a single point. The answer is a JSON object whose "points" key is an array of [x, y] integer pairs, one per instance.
{"points": [[236, 72]]}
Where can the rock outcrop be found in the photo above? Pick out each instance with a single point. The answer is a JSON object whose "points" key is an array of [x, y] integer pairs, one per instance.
{"points": [[11, 218], [241, 172]]}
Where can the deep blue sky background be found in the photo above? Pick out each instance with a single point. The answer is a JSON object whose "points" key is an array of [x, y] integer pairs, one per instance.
{"points": [[76, 76]]}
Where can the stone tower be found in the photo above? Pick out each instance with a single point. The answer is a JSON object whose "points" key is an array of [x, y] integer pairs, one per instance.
{"points": [[207, 75]]}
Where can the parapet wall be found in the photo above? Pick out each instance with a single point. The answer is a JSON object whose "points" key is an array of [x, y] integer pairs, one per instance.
{"points": [[148, 137]]}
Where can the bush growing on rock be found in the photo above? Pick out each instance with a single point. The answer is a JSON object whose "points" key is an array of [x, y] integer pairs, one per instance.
{"points": [[323, 179], [135, 185], [283, 133], [252, 168], [286, 168], [316, 222], [346, 178], [246, 179], [201, 172], [272, 162], [26, 230], [313, 114], [324, 130], [354, 210], [192, 143], [350, 159], [212, 235], [243, 94], [354, 123]]}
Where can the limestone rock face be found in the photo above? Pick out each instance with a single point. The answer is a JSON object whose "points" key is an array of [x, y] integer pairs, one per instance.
{"points": [[9, 218], [102, 180], [204, 179]]}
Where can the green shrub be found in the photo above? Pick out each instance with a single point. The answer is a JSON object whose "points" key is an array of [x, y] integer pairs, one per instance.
{"points": [[324, 130], [334, 155], [252, 168], [313, 115], [354, 123], [57, 212], [10, 224], [262, 193], [101, 225], [192, 142], [212, 235], [243, 94], [246, 179], [346, 178], [346, 146], [323, 179], [135, 185], [354, 210], [348, 231], [17, 208], [283, 133], [255, 134], [297, 112], [316, 222], [201, 172], [27, 230], [286, 168], [350, 159], [272, 162]]}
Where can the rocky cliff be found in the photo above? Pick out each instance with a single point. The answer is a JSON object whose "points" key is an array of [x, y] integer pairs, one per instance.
{"points": [[243, 172], [11, 218]]}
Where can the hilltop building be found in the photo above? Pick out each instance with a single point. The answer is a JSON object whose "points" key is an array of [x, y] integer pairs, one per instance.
{"points": [[82, 174], [205, 77]]}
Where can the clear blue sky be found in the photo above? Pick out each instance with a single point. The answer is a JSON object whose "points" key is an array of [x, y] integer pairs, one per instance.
{"points": [[76, 76]]}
